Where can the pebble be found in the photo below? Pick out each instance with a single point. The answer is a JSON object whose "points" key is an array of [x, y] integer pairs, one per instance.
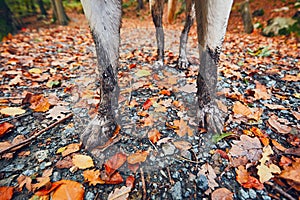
{"points": [[243, 194], [41, 155], [168, 148], [89, 196], [176, 191], [56, 176], [202, 182], [28, 172], [252, 194]]}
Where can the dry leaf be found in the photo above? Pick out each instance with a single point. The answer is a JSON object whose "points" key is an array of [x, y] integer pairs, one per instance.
{"points": [[92, 177], [12, 111], [183, 128], [275, 106], [130, 181], [114, 163], [24, 180], [137, 157], [266, 170], [182, 145], [82, 161], [4, 128], [292, 172], [189, 88], [57, 112], [6, 193], [65, 163], [274, 123], [120, 193], [154, 135], [296, 115], [39, 103], [207, 171], [261, 92], [222, 194], [241, 109], [71, 148], [148, 103], [42, 181], [263, 138], [68, 190], [247, 181]]}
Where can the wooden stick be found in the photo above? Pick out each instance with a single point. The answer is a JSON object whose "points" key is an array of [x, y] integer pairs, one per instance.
{"points": [[281, 191], [35, 135], [144, 184]]}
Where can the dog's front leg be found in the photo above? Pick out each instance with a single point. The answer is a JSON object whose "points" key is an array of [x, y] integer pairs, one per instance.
{"points": [[104, 19], [212, 17], [183, 62], [157, 7]]}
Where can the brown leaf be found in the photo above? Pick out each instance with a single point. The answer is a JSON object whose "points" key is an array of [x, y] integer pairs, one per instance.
{"points": [[39, 103], [289, 77], [241, 109], [65, 163], [261, 92], [274, 123], [82, 161], [116, 178], [247, 181], [182, 145], [137, 157], [296, 115], [292, 172], [92, 177], [154, 135], [6, 193], [278, 145], [183, 128], [4, 128], [263, 138], [57, 112], [71, 148], [24, 180], [68, 190], [222, 194], [275, 106], [114, 163], [42, 181], [120, 193]]}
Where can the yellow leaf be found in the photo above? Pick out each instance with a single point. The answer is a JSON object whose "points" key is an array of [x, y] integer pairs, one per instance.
{"points": [[82, 161], [12, 111], [61, 149], [35, 71], [92, 177]]}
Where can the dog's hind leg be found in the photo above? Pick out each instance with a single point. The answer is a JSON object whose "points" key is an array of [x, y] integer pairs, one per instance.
{"points": [[212, 17], [104, 19], [183, 62], [157, 7]]}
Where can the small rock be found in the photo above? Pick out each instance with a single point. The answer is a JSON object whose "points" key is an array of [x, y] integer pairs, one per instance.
{"points": [[56, 176], [176, 191], [28, 172], [89, 196], [176, 175], [252, 194], [265, 197], [243, 194], [168, 148], [202, 182], [41, 155]]}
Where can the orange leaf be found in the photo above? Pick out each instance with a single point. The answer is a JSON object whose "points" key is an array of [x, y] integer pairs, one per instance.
{"points": [[4, 127], [130, 181], [247, 181], [42, 181], [137, 157], [183, 128], [92, 177], [114, 163], [6, 193], [47, 191], [222, 194], [263, 138], [69, 190], [241, 109], [116, 178], [39, 103], [292, 172], [154, 135], [165, 92], [148, 103], [71, 148]]}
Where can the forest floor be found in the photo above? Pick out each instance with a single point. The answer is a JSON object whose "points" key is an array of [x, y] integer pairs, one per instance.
{"points": [[49, 75]]}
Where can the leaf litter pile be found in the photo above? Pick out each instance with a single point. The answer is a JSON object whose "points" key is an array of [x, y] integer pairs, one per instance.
{"points": [[49, 94]]}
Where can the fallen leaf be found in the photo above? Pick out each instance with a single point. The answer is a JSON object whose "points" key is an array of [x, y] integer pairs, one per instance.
{"points": [[274, 123], [120, 193], [278, 146], [24, 180], [183, 128], [57, 112], [4, 128], [35, 71], [6, 193], [247, 181], [39, 103], [42, 181], [71, 148], [275, 106], [241, 109], [247, 146], [266, 170], [296, 115], [16, 81], [114, 163], [116, 178], [12, 111], [92, 177], [260, 92], [130, 181], [262, 137], [68, 190], [142, 72], [82, 161], [137, 157], [207, 171], [182, 145], [65, 163], [222, 194], [154, 135], [189, 88], [292, 172], [148, 103]]}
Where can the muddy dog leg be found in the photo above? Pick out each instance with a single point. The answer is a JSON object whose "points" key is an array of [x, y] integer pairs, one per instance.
{"points": [[183, 62], [212, 17], [104, 19], [157, 7]]}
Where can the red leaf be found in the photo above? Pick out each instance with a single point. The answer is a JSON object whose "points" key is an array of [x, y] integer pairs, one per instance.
{"points": [[4, 127], [6, 193], [130, 181], [114, 163], [116, 178], [148, 103]]}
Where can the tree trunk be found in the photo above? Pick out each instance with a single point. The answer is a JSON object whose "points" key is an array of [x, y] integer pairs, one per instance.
{"points": [[59, 13], [6, 20], [42, 7], [140, 5], [247, 18]]}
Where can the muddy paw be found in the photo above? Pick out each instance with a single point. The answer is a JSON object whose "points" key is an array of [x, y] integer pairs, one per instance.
{"points": [[98, 132], [211, 118], [183, 63]]}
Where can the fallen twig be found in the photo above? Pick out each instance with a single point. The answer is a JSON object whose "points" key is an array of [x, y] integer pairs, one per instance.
{"points": [[281, 191], [144, 184], [35, 135], [15, 117]]}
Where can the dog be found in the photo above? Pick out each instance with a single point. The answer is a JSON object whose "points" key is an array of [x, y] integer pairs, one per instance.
{"points": [[104, 17]]}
